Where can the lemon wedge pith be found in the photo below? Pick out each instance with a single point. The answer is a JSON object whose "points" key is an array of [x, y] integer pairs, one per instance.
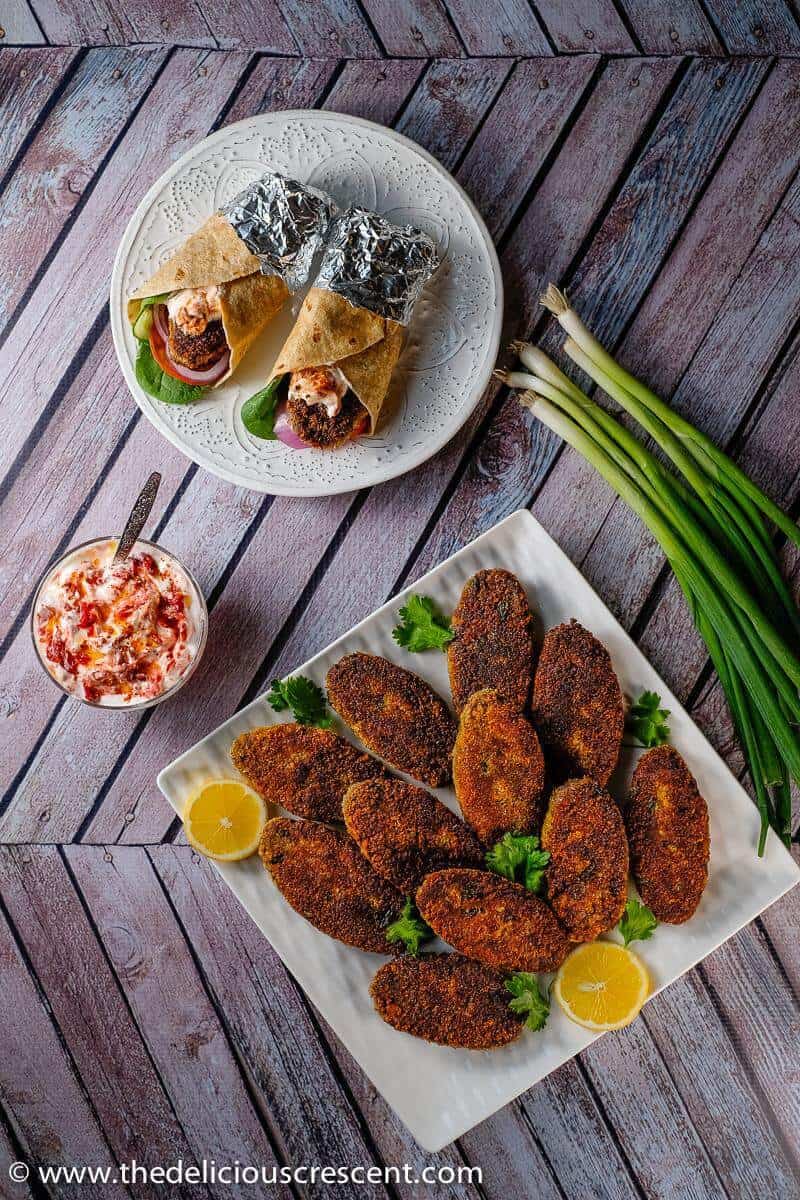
{"points": [[602, 985], [224, 820]]}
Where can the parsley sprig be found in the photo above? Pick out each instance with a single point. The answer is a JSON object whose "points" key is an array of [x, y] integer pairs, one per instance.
{"points": [[409, 928], [422, 626], [519, 858], [304, 697], [638, 922], [528, 999], [647, 720]]}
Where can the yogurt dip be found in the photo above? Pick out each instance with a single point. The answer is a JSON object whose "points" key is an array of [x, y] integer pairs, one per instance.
{"points": [[118, 635]]}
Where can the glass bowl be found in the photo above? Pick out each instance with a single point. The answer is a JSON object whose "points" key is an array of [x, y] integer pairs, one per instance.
{"points": [[198, 608]]}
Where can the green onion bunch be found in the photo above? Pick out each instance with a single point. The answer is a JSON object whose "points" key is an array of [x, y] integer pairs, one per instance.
{"points": [[709, 520]]}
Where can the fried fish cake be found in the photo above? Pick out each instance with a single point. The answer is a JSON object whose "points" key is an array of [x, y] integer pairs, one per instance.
{"points": [[493, 643], [301, 768], [667, 823], [498, 768], [448, 999], [326, 879], [577, 704], [395, 714], [406, 833], [493, 920], [587, 878]]}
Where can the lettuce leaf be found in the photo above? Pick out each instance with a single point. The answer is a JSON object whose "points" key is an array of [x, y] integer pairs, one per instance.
{"points": [[159, 384]]}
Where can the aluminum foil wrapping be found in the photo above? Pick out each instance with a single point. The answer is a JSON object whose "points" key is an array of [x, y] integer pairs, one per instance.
{"points": [[283, 223], [377, 265]]}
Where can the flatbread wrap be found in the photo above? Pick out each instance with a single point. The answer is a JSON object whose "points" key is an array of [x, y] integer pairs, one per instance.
{"points": [[199, 314], [332, 375]]}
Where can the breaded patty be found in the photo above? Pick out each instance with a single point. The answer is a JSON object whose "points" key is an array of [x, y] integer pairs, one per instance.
{"points": [[301, 768], [577, 704], [326, 879], [493, 643], [587, 879], [395, 714], [313, 425], [406, 833], [197, 351], [667, 823], [498, 768], [448, 999], [493, 920]]}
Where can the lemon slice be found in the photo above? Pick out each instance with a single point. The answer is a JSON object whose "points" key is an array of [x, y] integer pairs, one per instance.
{"points": [[602, 986], [224, 820]]}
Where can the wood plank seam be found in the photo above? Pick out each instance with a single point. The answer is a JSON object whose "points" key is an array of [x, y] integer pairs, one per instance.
{"points": [[612, 1129], [628, 24], [257, 1099]]}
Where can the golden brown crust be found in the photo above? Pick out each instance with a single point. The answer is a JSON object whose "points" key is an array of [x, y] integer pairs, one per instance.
{"points": [[490, 919], [587, 879], [302, 769], [577, 704], [321, 873], [667, 823], [493, 643], [447, 999], [407, 833], [498, 768], [395, 714]]}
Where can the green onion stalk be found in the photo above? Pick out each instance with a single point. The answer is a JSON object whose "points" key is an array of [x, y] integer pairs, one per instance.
{"points": [[713, 536]]}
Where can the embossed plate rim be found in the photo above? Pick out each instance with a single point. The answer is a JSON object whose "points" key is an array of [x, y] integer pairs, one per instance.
{"points": [[367, 475]]}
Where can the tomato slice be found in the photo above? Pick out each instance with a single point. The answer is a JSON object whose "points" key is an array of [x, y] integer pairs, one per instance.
{"points": [[158, 349]]}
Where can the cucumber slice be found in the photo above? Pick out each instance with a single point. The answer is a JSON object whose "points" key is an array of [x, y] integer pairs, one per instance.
{"points": [[143, 323]]}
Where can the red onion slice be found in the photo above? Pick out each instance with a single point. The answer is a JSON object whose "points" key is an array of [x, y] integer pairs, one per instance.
{"points": [[161, 321], [285, 433]]}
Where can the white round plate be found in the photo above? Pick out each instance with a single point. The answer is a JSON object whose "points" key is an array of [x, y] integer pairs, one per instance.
{"points": [[452, 340]]}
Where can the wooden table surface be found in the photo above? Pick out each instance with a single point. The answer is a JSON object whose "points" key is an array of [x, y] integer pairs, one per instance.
{"points": [[142, 1014]]}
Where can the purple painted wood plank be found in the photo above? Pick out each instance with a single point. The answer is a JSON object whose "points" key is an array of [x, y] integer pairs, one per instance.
{"points": [[450, 103], [561, 1116], [528, 116], [765, 1020], [756, 26], [20, 27], [329, 28], [68, 22], [744, 1147], [277, 83], [416, 28], [661, 1144], [591, 27], [672, 28], [100, 1034], [62, 160], [513, 28], [268, 1021], [77, 279], [157, 973], [9, 1155], [259, 26], [38, 1084], [28, 78], [387, 83]]}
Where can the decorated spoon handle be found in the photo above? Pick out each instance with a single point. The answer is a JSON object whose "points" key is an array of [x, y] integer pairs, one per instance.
{"points": [[138, 515]]}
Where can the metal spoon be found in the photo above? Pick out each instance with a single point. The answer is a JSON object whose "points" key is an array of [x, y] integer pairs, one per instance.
{"points": [[138, 515]]}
